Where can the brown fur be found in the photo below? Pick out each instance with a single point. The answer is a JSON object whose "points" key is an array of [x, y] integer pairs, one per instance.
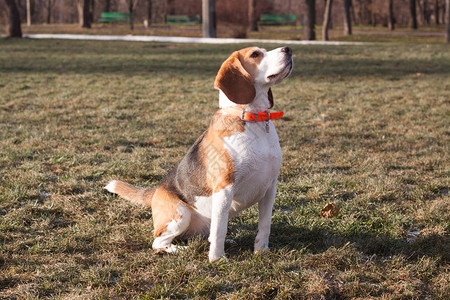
{"points": [[134, 194], [220, 167], [234, 80], [249, 63], [165, 209]]}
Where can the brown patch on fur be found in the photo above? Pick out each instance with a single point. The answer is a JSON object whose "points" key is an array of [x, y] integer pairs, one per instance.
{"points": [[250, 63], [165, 209], [234, 80], [218, 162], [207, 162]]}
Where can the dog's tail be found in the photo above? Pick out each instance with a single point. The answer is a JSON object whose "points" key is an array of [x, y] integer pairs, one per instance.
{"points": [[130, 192]]}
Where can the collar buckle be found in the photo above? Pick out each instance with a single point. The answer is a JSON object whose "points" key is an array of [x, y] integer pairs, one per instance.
{"points": [[251, 121]]}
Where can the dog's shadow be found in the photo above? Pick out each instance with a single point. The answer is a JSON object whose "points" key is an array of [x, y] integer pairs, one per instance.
{"points": [[315, 241]]}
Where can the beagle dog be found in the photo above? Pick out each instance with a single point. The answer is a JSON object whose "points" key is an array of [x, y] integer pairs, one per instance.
{"points": [[231, 166]]}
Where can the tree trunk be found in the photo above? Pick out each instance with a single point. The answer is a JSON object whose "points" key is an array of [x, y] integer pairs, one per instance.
{"points": [[447, 21], [436, 12], [91, 11], [369, 13], [413, 14], [373, 19], [107, 6], [49, 11], [148, 21], [326, 20], [427, 12], [29, 12], [83, 13], [347, 19], [391, 20], [352, 13], [252, 23], [209, 18], [130, 11], [421, 15], [14, 28], [330, 22], [360, 12], [310, 22]]}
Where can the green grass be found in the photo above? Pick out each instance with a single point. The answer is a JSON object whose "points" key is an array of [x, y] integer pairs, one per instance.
{"points": [[366, 127]]}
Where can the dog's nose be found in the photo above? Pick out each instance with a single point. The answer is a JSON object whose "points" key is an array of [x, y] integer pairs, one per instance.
{"points": [[287, 50]]}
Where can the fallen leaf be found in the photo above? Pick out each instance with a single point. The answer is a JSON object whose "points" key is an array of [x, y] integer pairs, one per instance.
{"points": [[330, 210]]}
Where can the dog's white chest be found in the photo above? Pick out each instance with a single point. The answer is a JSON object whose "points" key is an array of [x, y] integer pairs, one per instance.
{"points": [[255, 151], [257, 160]]}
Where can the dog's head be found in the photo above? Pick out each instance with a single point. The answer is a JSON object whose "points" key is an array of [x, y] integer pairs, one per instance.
{"points": [[253, 68]]}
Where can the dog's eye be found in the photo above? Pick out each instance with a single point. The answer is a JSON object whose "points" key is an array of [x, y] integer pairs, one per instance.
{"points": [[254, 54]]}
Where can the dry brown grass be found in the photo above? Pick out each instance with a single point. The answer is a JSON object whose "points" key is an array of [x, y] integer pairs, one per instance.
{"points": [[366, 128]]}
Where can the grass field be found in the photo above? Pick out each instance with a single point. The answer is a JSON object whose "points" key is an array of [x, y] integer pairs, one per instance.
{"points": [[366, 127]]}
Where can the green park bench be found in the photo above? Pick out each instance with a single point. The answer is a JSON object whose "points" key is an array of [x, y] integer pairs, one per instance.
{"points": [[266, 19], [184, 20], [114, 17]]}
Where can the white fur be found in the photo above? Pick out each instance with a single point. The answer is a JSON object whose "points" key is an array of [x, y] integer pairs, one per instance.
{"points": [[111, 187], [221, 202], [204, 206]]}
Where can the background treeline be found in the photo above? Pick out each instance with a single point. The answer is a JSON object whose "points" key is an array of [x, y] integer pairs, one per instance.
{"points": [[362, 12]]}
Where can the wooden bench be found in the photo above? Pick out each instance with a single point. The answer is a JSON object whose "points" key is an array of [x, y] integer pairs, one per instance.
{"points": [[114, 17], [266, 19], [184, 20]]}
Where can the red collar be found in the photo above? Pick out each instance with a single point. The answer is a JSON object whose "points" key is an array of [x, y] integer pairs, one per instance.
{"points": [[253, 116]]}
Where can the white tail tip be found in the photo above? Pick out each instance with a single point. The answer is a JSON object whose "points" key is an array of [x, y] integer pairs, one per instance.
{"points": [[111, 187]]}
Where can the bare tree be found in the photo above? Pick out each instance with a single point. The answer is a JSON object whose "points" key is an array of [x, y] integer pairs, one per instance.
{"points": [[14, 28], [326, 19], [49, 11], [91, 11], [29, 12], [413, 14], [310, 22], [436, 12], [421, 15], [107, 6], [132, 4], [148, 22], [447, 21], [209, 18], [83, 13], [252, 22], [391, 20], [347, 17]]}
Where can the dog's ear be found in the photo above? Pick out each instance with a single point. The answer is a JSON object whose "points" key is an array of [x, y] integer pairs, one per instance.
{"points": [[270, 95], [235, 81]]}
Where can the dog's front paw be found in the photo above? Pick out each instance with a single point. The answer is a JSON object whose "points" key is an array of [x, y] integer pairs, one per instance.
{"points": [[216, 255], [261, 251], [261, 245], [219, 259]]}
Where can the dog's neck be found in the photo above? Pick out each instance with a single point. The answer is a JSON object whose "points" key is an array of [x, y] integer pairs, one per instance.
{"points": [[260, 103]]}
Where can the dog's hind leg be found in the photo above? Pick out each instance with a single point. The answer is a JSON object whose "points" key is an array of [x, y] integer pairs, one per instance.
{"points": [[171, 219]]}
